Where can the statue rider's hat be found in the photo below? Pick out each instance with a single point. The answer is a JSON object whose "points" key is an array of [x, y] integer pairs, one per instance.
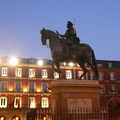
{"points": [[70, 23]]}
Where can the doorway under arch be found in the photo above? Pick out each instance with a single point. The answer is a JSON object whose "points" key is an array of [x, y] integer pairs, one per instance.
{"points": [[114, 109], [16, 117], [2, 117]]}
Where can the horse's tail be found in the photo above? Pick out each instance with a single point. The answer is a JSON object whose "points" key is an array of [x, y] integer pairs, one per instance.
{"points": [[95, 64]]}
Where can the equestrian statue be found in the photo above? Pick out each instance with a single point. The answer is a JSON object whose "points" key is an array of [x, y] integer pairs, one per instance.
{"points": [[66, 48]]}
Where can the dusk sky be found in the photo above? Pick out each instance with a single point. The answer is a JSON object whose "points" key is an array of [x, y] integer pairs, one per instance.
{"points": [[97, 21]]}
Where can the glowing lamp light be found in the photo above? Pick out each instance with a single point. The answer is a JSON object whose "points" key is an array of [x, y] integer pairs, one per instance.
{"points": [[10, 89], [40, 62], [71, 64], [38, 90], [13, 61], [17, 118], [44, 118], [64, 63], [2, 118], [25, 90]]}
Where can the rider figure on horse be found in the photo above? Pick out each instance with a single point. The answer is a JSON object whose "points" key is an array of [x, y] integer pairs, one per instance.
{"points": [[70, 35]]}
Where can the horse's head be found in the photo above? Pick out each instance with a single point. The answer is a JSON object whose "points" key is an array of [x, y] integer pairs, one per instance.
{"points": [[44, 36]]}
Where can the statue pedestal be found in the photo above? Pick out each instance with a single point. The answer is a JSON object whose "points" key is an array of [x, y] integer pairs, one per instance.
{"points": [[75, 94]]}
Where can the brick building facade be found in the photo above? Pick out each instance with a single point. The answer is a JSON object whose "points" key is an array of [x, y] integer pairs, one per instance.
{"points": [[24, 81]]}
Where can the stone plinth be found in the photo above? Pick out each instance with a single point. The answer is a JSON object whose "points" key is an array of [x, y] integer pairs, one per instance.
{"points": [[75, 94]]}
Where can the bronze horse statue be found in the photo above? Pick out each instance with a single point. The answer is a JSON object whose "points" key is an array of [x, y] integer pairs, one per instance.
{"points": [[81, 53]]}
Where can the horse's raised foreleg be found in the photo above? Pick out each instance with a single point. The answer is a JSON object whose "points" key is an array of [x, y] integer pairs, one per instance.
{"points": [[84, 69], [56, 63]]}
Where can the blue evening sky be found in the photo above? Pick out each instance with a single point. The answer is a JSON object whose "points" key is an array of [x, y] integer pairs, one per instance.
{"points": [[98, 24]]}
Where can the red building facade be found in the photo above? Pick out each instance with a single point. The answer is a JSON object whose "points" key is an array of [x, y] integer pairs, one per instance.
{"points": [[23, 84]]}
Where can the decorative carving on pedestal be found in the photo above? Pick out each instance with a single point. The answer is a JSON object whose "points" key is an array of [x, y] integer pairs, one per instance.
{"points": [[79, 103]]}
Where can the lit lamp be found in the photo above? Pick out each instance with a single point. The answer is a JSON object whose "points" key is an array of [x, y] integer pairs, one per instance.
{"points": [[13, 61], [17, 118], [38, 90], [2, 118], [40, 62], [25, 90], [10, 89], [71, 64]]}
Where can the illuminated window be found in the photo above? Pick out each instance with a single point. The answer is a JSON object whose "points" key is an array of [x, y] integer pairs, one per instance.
{"points": [[91, 75], [17, 102], [31, 72], [56, 75], [18, 72], [31, 87], [44, 87], [68, 74], [3, 102], [3, 85], [80, 73], [18, 86], [114, 88], [112, 76], [31, 102], [45, 102], [101, 76], [44, 73], [4, 72]]}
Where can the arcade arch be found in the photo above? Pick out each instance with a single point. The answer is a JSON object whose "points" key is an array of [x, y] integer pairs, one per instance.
{"points": [[2, 117], [114, 109], [16, 117]]}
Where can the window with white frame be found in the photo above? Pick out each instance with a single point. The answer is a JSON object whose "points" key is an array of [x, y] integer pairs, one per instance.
{"points": [[44, 73], [45, 102], [91, 75], [32, 60], [3, 85], [68, 74], [17, 102], [56, 75], [31, 86], [31, 101], [114, 88], [18, 72], [44, 87], [18, 86], [3, 102], [110, 65], [4, 72], [102, 90], [112, 76], [101, 76], [80, 73], [31, 72]]}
